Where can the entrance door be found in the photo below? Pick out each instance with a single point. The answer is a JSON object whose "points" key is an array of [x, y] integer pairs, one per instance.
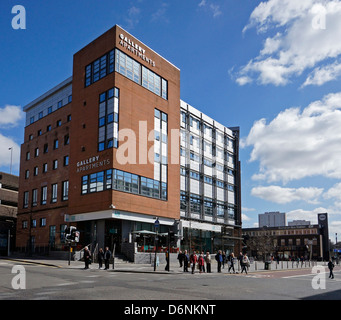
{"points": [[113, 235]]}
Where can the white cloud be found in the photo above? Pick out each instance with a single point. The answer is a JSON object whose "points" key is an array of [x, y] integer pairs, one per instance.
{"points": [[213, 8], [286, 195], [309, 215], [334, 192], [298, 144], [10, 116], [302, 44], [321, 75]]}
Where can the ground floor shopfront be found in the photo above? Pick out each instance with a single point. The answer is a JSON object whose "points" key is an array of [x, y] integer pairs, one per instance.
{"points": [[114, 228]]}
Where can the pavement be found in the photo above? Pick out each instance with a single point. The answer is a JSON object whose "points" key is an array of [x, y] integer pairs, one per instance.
{"points": [[122, 266]]}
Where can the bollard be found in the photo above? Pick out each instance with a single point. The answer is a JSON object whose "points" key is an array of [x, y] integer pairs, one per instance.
{"points": [[287, 264]]}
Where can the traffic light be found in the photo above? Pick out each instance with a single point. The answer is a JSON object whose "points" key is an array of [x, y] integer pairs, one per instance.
{"points": [[71, 234]]}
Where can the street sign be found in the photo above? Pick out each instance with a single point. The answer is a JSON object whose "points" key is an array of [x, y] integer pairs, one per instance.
{"points": [[157, 223]]}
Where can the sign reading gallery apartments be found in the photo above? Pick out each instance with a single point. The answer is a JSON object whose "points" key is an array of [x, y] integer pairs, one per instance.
{"points": [[91, 163], [135, 49]]}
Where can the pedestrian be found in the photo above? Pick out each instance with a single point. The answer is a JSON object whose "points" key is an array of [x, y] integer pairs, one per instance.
{"points": [[331, 267], [231, 263], [180, 258], [193, 260], [107, 256], [245, 263], [224, 259], [208, 262], [201, 263], [100, 258], [185, 261], [219, 259], [87, 257], [167, 260]]}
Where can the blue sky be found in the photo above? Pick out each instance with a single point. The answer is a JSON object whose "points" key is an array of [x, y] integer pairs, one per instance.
{"points": [[272, 68]]}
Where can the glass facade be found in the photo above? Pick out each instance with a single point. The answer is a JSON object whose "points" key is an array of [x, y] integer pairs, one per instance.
{"points": [[123, 181]]}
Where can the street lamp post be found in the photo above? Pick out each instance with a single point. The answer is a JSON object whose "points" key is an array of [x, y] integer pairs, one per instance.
{"points": [[10, 170]]}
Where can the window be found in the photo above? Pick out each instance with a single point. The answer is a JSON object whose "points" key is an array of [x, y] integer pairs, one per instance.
{"points": [[30, 137], [59, 123], [69, 99], [26, 195], [66, 161], [42, 222], [27, 174], [60, 104], [44, 167], [208, 206], [139, 74], [220, 209], [49, 110], [39, 132], [31, 120], [28, 155], [33, 223], [66, 140], [36, 152], [48, 128], [54, 193], [24, 224], [34, 197], [35, 171], [55, 144], [68, 118], [55, 164], [43, 195], [65, 190], [128, 67], [183, 201], [108, 119], [46, 148], [99, 68], [195, 203]]}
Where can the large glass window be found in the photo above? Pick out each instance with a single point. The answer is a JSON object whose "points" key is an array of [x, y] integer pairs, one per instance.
{"points": [[136, 72], [195, 203], [99, 68], [108, 119]]}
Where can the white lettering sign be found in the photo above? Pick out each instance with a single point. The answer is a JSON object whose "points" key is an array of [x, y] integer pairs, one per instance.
{"points": [[135, 49]]}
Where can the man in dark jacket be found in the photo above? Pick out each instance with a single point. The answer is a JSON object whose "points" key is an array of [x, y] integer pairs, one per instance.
{"points": [[219, 258], [107, 256], [185, 261], [331, 267], [87, 257]]}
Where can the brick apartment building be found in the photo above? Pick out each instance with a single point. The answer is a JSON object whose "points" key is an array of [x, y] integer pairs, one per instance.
{"points": [[102, 152]]}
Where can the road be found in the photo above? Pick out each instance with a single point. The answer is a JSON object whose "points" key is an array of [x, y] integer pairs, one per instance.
{"points": [[51, 283]]}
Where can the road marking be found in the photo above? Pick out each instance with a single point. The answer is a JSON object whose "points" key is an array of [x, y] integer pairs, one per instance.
{"points": [[66, 284]]}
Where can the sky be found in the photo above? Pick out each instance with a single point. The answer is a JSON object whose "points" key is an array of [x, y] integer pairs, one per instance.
{"points": [[273, 68]]}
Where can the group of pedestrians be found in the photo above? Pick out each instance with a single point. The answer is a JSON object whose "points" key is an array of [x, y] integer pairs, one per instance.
{"points": [[203, 261], [103, 256]]}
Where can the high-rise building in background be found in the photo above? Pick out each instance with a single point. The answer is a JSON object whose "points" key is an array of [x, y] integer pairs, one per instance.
{"points": [[272, 219]]}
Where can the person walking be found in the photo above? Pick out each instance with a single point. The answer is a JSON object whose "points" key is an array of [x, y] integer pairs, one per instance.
{"points": [[231, 263], [331, 267], [193, 260], [100, 258], [201, 263], [245, 263], [219, 259], [224, 259], [185, 261], [180, 258], [167, 260], [107, 256], [208, 262], [87, 257]]}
